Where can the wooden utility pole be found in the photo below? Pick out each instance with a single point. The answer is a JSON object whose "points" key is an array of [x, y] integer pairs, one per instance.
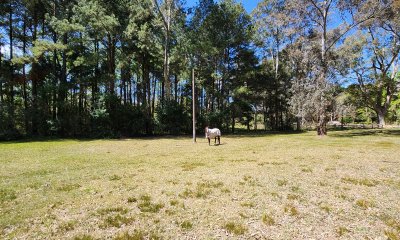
{"points": [[194, 107]]}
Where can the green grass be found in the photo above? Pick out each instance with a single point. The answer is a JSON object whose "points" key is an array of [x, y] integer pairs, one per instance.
{"points": [[235, 228], [186, 225], [291, 210], [342, 231], [105, 211], [150, 188], [267, 219], [84, 237], [364, 182], [117, 221], [7, 195], [145, 205], [365, 204]]}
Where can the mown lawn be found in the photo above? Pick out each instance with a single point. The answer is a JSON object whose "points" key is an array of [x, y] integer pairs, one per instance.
{"points": [[274, 186]]}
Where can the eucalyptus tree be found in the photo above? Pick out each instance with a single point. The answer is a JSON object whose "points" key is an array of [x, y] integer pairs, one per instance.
{"points": [[276, 27], [320, 17], [373, 56]]}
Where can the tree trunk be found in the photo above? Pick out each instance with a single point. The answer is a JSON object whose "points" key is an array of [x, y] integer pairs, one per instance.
{"points": [[167, 25], [153, 102], [166, 67], [176, 87], [146, 92], [1, 81], [381, 117], [24, 77], [322, 119], [63, 87], [233, 124], [11, 83], [34, 78], [162, 92], [255, 117], [322, 109], [96, 75]]}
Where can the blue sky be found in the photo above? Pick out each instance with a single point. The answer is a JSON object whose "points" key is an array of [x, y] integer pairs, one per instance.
{"points": [[249, 5]]}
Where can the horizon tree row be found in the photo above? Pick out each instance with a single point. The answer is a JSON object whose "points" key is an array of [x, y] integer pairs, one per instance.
{"points": [[97, 68]]}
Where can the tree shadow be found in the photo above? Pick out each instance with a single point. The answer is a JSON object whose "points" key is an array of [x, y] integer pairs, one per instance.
{"points": [[238, 134], [346, 133], [261, 133]]}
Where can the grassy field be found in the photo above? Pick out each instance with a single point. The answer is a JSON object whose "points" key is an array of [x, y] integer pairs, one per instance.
{"points": [[274, 186]]}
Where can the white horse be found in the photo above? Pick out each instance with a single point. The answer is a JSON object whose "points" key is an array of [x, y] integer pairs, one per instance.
{"points": [[213, 133]]}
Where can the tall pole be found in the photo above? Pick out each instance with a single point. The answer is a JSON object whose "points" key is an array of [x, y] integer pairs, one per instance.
{"points": [[194, 107]]}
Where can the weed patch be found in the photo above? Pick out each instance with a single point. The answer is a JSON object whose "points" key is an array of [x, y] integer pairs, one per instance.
{"points": [[293, 197], [115, 177], [7, 195], [365, 204], [235, 228], [202, 190], [190, 166], [248, 204], [186, 225], [291, 210], [117, 221], [138, 235], [325, 207], [342, 231], [68, 226], [392, 235], [132, 200], [105, 211], [282, 183], [364, 182], [84, 237], [307, 170], [145, 205], [268, 220]]}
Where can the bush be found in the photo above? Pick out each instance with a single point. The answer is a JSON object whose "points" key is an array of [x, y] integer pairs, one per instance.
{"points": [[217, 119], [172, 118], [127, 120]]}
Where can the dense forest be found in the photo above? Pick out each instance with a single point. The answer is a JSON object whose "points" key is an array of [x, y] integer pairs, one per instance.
{"points": [[102, 68]]}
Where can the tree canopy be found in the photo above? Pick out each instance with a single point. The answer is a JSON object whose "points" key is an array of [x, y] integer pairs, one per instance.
{"points": [[98, 68]]}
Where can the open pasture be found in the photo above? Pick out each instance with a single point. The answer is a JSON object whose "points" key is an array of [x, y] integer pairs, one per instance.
{"points": [[274, 186]]}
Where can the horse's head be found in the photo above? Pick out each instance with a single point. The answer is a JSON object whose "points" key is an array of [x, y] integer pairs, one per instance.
{"points": [[206, 131]]}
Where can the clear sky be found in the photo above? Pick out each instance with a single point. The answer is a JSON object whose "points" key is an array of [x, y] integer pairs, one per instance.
{"points": [[249, 5]]}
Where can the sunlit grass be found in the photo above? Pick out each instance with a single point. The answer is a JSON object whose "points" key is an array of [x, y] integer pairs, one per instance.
{"points": [[272, 186]]}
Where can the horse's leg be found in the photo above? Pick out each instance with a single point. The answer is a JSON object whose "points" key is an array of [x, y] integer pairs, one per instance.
{"points": [[209, 142], [219, 140], [215, 140]]}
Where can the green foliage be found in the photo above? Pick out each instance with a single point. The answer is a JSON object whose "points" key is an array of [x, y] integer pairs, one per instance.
{"points": [[172, 118], [95, 68]]}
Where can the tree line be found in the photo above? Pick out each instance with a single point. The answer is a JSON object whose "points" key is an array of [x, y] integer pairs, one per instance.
{"points": [[99, 68]]}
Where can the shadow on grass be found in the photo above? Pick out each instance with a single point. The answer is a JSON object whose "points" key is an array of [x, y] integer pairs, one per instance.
{"points": [[364, 132], [237, 134], [260, 133]]}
